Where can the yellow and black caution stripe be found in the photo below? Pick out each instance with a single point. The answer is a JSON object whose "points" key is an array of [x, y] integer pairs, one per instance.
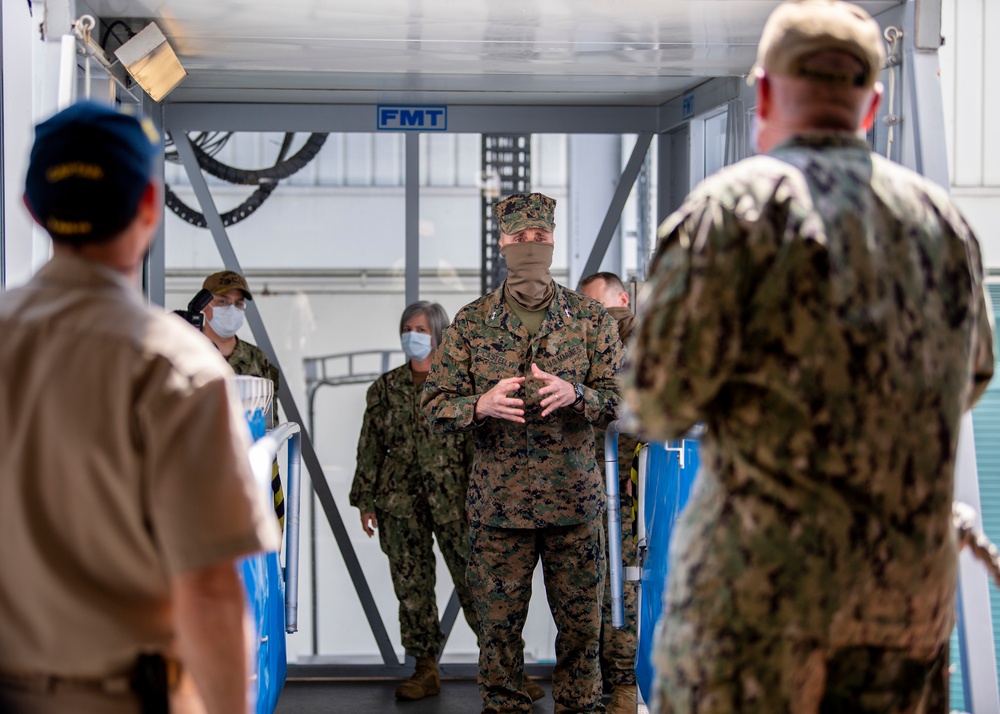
{"points": [[279, 495], [634, 477]]}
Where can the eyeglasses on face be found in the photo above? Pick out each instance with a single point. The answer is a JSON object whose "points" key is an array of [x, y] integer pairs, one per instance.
{"points": [[225, 302]]}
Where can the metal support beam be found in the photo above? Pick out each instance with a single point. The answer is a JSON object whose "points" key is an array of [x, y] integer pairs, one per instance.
{"points": [[412, 217], [663, 179], [320, 486], [3, 171], [155, 267], [462, 119], [448, 620], [706, 97], [645, 228], [594, 164], [927, 24], [924, 118], [25, 245], [614, 213], [978, 656]]}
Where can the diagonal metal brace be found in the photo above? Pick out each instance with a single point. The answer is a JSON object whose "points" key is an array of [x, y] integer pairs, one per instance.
{"points": [[320, 486]]}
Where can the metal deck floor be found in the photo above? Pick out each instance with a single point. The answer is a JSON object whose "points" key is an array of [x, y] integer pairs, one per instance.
{"points": [[377, 696]]}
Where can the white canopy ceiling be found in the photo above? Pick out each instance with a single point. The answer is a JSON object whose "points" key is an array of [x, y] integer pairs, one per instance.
{"points": [[516, 52]]}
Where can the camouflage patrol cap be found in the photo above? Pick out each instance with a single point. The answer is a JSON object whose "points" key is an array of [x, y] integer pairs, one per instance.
{"points": [[799, 28], [525, 210], [223, 282]]}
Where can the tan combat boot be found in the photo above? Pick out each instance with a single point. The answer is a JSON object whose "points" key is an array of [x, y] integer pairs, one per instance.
{"points": [[622, 700], [425, 681], [533, 688]]}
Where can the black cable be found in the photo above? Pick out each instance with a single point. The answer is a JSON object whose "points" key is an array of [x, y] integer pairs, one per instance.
{"points": [[265, 179], [108, 33], [286, 145], [253, 177], [241, 212], [211, 142]]}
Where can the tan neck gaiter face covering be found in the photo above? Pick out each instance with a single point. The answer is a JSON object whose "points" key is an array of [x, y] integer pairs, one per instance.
{"points": [[625, 321], [619, 313], [529, 282]]}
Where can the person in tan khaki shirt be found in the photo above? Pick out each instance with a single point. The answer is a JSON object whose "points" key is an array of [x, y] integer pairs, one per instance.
{"points": [[125, 493]]}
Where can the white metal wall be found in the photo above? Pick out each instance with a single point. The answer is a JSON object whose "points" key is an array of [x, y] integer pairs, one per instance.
{"points": [[23, 254], [969, 60]]}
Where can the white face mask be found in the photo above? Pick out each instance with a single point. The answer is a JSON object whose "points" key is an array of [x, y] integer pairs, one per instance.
{"points": [[226, 321], [416, 345]]}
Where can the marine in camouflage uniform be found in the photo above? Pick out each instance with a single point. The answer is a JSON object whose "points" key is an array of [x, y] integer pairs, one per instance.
{"points": [[618, 646], [415, 482], [821, 311], [536, 490]]}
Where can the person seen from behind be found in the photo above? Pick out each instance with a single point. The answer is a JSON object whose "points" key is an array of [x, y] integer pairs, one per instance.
{"points": [[821, 311], [119, 592]]}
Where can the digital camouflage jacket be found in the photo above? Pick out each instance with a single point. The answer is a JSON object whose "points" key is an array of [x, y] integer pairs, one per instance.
{"points": [[821, 310], [249, 360], [541, 473], [401, 461]]}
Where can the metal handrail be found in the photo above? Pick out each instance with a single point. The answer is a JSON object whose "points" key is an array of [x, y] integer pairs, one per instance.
{"points": [[262, 454], [317, 376], [614, 523], [318, 369]]}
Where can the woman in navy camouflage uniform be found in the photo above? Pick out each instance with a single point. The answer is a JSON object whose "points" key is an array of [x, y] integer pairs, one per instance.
{"points": [[411, 484]]}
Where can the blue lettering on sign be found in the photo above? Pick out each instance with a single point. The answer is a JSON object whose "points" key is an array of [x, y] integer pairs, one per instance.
{"points": [[687, 105], [408, 118]]}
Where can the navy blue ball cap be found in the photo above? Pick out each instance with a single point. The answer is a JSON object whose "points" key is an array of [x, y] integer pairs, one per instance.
{"points": [[89, 167]]}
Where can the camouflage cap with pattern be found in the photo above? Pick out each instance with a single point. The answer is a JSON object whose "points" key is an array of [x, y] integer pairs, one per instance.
{"points": [[525, 210], [223, 282], [798, 29]]}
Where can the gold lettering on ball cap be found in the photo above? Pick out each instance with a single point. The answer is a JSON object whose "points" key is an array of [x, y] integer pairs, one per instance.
{"points": [[67, 228], [74, 169]]}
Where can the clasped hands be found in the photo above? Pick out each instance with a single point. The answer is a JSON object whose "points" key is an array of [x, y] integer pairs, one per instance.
{"points": [[498, 403]]}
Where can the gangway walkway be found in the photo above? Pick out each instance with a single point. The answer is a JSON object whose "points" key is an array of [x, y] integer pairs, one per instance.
{"points": [[458, 696]]}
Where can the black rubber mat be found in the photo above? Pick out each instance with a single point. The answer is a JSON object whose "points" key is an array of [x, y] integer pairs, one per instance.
{"points": [[458, 696]]}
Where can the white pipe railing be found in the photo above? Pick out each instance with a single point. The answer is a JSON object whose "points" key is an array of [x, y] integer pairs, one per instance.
{"points": [[614, 523], [262, 454]]}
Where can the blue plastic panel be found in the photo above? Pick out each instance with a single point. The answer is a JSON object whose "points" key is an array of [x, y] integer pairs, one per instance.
{"points": [[667, 489], [264, 583]]}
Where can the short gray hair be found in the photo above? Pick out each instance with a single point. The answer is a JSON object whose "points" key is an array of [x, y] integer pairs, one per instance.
{"points": [[437, 318]]}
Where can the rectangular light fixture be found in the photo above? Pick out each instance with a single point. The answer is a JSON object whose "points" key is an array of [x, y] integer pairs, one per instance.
{"points": [[151, 61]]}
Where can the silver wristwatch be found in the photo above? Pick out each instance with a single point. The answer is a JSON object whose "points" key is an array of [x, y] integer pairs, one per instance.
{"points": [[578, 388]]}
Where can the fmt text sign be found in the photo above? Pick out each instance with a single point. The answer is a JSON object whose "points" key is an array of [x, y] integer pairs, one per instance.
{"points": [[410, 118]]}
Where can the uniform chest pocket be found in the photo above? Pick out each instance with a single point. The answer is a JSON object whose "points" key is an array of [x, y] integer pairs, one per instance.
{"points": [[569, 361], [490, 366]]}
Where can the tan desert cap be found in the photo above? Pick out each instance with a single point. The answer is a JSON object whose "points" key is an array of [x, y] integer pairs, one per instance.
{"points": [[223, 282], [799, 28]]}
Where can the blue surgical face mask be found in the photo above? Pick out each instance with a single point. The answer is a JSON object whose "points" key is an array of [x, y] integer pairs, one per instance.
{"points": [[226, 321], [416, 345]]}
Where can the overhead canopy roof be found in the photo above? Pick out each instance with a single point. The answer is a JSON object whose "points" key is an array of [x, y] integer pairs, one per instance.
{"points": [[515, 52]]}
